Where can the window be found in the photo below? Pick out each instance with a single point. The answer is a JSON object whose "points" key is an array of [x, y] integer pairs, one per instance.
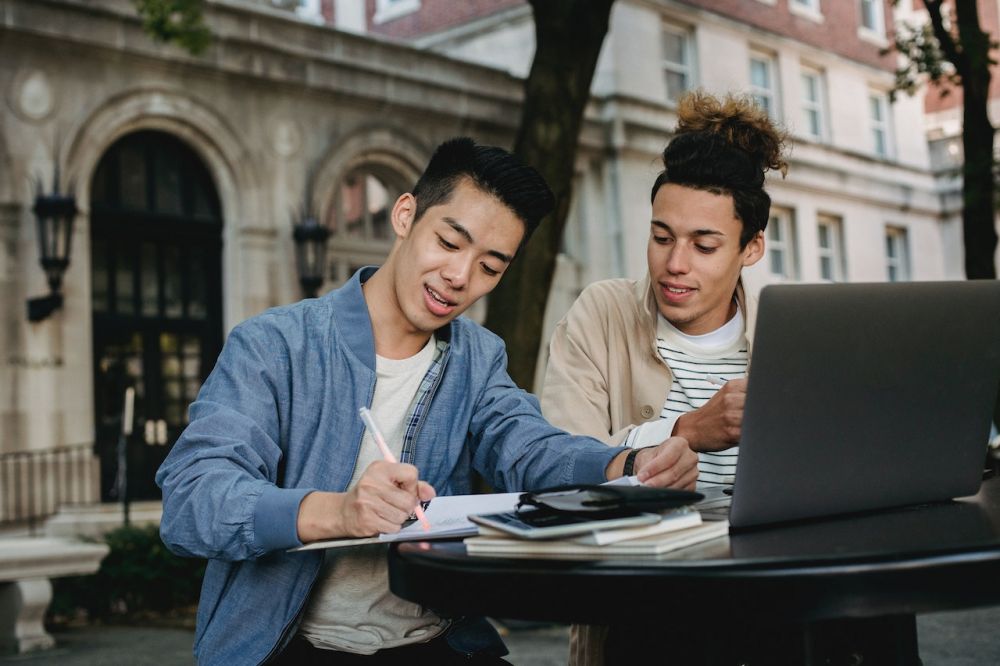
{"points": [[388, 10], [878, 112], [871, 16], [813, 104], [677, 61], [780, 244], [763, 82], [309, 10], [830, 240], [897, 254], [361, 231], [808, 9]]}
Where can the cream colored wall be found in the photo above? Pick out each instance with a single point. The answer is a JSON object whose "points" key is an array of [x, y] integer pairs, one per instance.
{"points": [[264, 114]]}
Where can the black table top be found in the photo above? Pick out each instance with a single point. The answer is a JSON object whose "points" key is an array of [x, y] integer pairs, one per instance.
{"points": [[906, 560]]}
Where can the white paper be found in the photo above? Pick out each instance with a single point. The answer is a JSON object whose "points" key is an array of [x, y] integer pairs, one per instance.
{"points": [[624, 481], [448, 516]]}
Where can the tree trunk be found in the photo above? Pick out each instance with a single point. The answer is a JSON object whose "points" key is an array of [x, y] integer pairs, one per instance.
{"points": [[978, 211], [568, 37]]}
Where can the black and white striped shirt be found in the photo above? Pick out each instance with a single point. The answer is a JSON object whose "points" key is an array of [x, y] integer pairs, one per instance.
{"points": [[691, 359]]}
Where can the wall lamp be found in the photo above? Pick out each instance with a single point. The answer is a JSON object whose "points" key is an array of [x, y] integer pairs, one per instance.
{"points": [[54, 215], [310, 253]]}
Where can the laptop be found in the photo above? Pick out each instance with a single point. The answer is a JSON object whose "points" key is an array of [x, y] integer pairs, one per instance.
{"points": [[866, 396]]}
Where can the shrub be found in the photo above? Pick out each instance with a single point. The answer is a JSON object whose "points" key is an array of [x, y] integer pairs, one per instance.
{"points": [[139, 575]]}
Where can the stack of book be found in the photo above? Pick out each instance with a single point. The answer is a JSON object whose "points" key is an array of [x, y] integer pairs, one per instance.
{"points": [[677, 529]]}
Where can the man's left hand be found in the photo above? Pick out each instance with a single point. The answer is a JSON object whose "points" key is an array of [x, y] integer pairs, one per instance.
{"points": [[672, 464]]}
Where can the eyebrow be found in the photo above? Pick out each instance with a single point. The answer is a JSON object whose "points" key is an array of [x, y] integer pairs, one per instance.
{"points": [[696, 232], [454, 224]]}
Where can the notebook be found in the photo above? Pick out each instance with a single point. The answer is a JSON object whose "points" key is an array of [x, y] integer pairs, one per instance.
{"points": [[864, 396]]}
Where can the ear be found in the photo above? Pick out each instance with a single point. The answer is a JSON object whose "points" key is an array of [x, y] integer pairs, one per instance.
{"points": [[754, 250], [404, 213]]}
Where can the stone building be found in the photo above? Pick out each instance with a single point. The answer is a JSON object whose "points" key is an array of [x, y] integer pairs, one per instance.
{"points": [[860, 202], [189, 173]]}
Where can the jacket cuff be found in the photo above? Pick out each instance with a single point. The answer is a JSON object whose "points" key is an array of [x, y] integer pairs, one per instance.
{"points": [[652, 433], [589, 466], [275, 518]]}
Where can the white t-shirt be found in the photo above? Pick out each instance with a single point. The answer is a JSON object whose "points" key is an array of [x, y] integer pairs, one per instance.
{"points": [[351, 608]]}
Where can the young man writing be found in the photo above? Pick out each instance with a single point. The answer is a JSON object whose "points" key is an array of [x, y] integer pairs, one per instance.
{"points": [[635, 362], [275, 454]]}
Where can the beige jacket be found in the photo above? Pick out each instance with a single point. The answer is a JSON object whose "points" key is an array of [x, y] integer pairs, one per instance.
{"points": [[604, 378]]}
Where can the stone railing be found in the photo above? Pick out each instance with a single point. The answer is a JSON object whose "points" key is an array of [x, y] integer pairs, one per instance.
{"points": [[34, 484]]}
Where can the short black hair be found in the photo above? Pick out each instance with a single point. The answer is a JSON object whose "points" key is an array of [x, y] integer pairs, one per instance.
{"points": [[493, 170]]}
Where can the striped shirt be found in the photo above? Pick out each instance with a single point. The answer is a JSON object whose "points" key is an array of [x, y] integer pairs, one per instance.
{"points": [[691, 358]]}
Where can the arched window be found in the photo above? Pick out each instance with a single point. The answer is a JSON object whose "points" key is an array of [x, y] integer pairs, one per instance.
{"points": [[358, 219]]}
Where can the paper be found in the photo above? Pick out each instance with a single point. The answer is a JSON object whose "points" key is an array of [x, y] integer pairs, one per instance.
{"points": [[448, 516], [624, 481]]}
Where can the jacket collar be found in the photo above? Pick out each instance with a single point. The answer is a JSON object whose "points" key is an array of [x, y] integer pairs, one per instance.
{"points": [[349, 313]]}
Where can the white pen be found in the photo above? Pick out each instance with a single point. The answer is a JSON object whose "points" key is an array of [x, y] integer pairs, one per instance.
{"points": [[366, 417], [715, 379]]}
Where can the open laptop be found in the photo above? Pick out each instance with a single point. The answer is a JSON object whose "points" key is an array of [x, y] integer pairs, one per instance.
{"points": [[864, 396]]}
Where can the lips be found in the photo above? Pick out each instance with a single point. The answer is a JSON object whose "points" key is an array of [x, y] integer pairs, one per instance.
{"points": [[437, 303], [676, 293]]}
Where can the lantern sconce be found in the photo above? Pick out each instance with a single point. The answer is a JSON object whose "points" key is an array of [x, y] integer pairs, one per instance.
{"points": [[310, 253], [54, 216]]}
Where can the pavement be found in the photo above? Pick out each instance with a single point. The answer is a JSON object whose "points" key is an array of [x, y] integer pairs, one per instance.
{"points": [[964, 638]]}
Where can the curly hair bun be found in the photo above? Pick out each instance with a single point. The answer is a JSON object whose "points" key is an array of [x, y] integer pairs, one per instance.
{"points": [[739, 121]]}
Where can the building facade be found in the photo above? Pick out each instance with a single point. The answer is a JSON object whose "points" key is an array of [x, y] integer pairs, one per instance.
{"points": [[860, 202], [190, 171]]}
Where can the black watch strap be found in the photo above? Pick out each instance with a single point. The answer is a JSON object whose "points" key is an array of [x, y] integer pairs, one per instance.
{"points": [[629, 468]]}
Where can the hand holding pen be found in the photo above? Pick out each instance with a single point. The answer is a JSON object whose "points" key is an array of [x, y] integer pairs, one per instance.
{"points": [[716, 425], [369, 422]]}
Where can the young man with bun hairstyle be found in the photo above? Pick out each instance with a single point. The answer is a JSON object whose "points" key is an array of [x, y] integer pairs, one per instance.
{"points": [[634, 362], [276, 455]]}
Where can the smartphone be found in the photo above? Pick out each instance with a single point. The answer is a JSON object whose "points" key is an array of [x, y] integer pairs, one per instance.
{"points": [[548, 525]]}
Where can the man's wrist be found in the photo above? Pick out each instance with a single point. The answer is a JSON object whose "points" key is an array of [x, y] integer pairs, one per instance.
{"points": [[686, 429], [628, 469]]}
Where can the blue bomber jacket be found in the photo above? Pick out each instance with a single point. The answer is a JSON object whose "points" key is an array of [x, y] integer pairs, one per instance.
{"points": [[278, 418]]}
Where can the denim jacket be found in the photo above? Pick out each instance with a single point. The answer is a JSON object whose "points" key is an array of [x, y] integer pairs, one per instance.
{"points": [[278, 418]]}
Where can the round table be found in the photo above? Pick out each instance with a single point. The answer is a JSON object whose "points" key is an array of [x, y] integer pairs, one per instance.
{"points": [[848, 585]]}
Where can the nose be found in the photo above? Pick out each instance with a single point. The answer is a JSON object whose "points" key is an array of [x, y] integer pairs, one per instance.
{"points": [[456, 272], [678, 260]]}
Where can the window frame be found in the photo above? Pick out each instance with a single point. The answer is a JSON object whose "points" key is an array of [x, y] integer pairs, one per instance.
{"points": [[817, 105], [687, 69], [770, 63], [835, 252], [809, 9], [878, 14], [897, 236], [346, 251], [390, 10], [883, 125], [784, 220]]}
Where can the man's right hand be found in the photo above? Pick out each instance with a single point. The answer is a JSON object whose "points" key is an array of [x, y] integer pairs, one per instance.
{"points": [[716, 425], [380, 502]]}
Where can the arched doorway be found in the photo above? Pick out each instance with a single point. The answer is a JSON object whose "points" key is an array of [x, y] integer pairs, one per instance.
{"points": [[156, 249]]}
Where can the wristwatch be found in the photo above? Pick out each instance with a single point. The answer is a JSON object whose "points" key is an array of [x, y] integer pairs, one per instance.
{"points": [[630, 463]]}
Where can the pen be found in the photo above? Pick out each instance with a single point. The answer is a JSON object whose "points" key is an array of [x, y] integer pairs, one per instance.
{"points": [[369, 422], [715, 379]]}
